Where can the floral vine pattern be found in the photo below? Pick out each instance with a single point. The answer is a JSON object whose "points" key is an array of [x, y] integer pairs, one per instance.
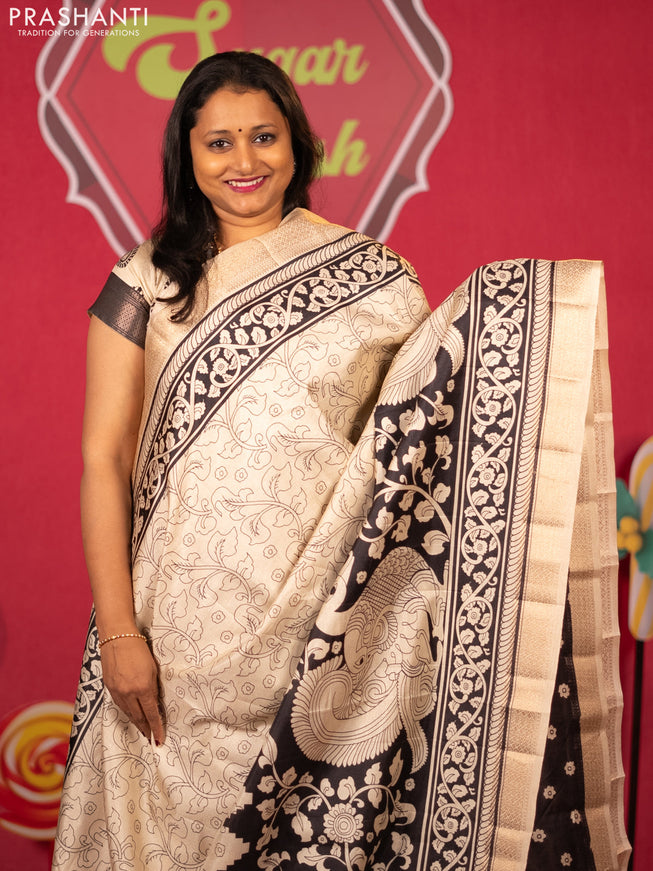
{"points": [[496, 387], [235, 344], [252, 522], [90, 690], [445, 467], [328, 813], [327, 598]]}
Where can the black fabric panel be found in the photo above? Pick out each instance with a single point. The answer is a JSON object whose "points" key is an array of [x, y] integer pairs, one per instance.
{"points": [[123, 308]]}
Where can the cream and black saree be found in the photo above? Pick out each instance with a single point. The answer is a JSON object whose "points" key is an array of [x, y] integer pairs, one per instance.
{"points": [[382, 601]]}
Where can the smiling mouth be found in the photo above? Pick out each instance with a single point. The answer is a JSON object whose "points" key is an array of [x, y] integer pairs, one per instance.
{"points": [[246, 184]]}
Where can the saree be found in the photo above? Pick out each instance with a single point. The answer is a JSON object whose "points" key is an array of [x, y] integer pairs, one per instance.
{"points": [[374, 556]]}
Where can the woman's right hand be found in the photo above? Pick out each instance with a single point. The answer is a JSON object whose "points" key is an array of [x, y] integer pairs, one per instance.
{"points": [[131, 675], [114, 401]]}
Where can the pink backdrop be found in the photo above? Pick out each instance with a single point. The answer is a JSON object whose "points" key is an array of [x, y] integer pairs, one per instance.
{"points": [[548, 153]]}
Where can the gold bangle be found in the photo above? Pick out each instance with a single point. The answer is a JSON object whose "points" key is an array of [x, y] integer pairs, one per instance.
{"points": [[123, 635]]}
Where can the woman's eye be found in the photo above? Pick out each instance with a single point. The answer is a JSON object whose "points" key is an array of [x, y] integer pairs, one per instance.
{"points": [[219, 144], [265, 138]]}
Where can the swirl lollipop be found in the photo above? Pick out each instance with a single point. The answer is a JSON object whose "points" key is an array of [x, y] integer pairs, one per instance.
{"points": [[33, 747]]}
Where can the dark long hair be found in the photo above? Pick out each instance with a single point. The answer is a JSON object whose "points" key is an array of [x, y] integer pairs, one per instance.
{"points": [[182, 238]]}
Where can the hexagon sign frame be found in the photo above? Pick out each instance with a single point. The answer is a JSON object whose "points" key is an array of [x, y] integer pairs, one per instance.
{"points": [[376, 87]]}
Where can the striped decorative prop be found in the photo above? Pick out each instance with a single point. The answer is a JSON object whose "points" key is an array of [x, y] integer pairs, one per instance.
{"points": [[635, 536]]}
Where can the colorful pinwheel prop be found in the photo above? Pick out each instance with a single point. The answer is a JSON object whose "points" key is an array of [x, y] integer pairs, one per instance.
{"points": [[635, 537]]}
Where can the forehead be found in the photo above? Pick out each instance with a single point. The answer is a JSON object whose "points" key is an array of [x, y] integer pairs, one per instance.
{"points": [[226, 108]]}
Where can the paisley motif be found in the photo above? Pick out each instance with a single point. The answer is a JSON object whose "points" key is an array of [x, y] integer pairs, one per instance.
{"points": [[351, 708]]}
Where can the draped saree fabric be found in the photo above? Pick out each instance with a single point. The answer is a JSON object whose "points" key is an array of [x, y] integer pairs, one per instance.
{"points": [[382, 602]]}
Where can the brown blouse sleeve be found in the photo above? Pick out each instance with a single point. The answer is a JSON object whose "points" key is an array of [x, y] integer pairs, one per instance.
{"points": [[123, 308]]}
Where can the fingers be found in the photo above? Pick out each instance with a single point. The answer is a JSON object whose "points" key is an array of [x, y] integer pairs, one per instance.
{"points": [[151, 714], [131, 676], [142, 708], [132, 708]]}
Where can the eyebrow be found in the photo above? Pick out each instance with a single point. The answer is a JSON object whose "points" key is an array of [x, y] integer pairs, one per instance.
{"points": [[228, 132]]}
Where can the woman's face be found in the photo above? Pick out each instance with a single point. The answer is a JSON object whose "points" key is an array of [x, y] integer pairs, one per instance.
{"points": [[242, 159]]}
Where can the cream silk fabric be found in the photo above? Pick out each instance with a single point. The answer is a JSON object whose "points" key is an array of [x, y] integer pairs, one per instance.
{"points": [[354, 581]]}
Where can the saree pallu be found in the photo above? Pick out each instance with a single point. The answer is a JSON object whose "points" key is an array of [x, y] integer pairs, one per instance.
{"points": [[389, 644]]}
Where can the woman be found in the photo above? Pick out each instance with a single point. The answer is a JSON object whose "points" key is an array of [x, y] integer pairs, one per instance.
{"points": [[305, 612], [223, 509]]}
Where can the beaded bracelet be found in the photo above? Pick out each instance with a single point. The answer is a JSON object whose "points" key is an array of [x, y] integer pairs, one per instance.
{"points": [[123, 635]]}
